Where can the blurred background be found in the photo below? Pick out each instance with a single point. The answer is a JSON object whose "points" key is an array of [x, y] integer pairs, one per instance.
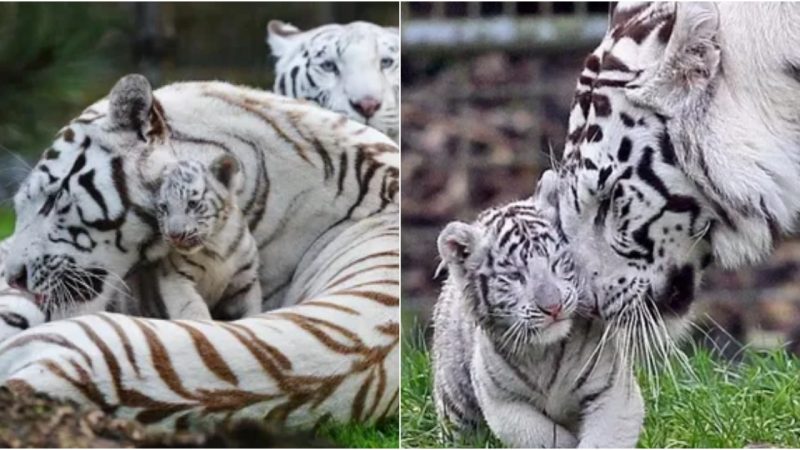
{"points": [[486, 94], [58, 58]]}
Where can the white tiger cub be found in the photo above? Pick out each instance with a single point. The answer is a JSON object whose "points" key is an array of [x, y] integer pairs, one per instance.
{"points": [[510, 349], [352, 69], [212, 268]]}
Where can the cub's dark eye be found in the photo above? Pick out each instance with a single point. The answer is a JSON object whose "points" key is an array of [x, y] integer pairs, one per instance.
{"points": [[515, 276], [161, 207], [329, 66], [192, 204], [386, 63]]}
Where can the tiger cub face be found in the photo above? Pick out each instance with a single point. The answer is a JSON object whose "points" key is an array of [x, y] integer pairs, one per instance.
{"points": [[352, 69], [194, 201], [515, 272]]}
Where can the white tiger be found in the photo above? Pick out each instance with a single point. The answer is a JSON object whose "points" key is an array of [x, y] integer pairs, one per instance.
{"points": [[353, 69], [515, 344], [320, 198], [682, 148], [213, 263]]}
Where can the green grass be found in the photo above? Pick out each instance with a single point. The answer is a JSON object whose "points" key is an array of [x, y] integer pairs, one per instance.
{"points": [[6, 222], [384, 435], [716, 404]]}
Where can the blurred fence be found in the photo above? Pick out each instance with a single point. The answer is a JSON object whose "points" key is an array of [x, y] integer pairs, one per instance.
{"points": [[486, 93]]}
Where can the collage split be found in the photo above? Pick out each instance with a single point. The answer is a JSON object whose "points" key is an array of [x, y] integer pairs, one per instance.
{"points": [[400, 224]]}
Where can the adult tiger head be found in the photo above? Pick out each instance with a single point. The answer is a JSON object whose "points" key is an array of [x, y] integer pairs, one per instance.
{"points": [[642, 226], [81, 217], [352, 69]]}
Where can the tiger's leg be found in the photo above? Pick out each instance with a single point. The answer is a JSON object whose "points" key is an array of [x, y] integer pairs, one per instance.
{"points": [[515, 422], [333, 356], [241, 299], [181, 298], [615, 417]]}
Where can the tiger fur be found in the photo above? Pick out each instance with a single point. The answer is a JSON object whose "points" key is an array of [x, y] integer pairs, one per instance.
{"points": [[320, 198], [353, 69], [681, 151], [516, 349], [212, 268]]}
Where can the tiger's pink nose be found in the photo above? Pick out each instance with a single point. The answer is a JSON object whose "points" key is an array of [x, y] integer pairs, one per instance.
{"points": [[553, 311], [367, 106]]}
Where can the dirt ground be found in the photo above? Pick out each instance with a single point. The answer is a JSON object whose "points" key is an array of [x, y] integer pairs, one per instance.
{"points": [[34, 420]]}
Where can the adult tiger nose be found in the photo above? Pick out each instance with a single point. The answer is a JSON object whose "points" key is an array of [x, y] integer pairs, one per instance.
{"points": [[367, 106]]}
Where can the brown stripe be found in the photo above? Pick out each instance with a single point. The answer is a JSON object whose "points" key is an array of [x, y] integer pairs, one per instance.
{"points": [[361, 396], [50, 338], [126, 343], [388, 409], [314, 327], [108, 355], [209, 354], [323, 304], [161, 360], [380, 297], [248, 105], [273, 351], [389, 328], [84, 384]]}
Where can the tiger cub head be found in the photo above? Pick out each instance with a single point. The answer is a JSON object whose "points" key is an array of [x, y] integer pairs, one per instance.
{"points": [[515, 272], [351, 69], [195, 201]]}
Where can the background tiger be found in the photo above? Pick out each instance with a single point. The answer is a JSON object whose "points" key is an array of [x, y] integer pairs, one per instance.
{"points": [[352, 69], [320, 199]]}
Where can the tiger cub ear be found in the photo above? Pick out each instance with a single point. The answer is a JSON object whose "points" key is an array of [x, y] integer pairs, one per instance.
{"points": [[224, 169], [457, 242], [133, 107], [279, 36]]}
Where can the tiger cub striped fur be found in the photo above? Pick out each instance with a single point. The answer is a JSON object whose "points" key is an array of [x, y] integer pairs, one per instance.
{"points": [[214, 258], [510, 349]]}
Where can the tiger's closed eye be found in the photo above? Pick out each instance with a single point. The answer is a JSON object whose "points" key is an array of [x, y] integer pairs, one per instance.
{"points": [[329, 66], [386, 62], [515, 276]]}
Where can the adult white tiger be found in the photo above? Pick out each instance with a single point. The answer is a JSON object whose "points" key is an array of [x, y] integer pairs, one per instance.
{"points": [[683, 144], [353, 69], [320, 197]]}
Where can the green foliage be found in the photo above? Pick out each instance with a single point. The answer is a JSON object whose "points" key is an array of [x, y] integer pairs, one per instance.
{"points": [[6, 222], [384, 435], [708, 404], [53, 56]]}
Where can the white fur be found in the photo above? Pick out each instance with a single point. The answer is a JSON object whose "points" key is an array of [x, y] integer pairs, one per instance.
{"points": [[337, 273], [357, 50], [748, 125]]}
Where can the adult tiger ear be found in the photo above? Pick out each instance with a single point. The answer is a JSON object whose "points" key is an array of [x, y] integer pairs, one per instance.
{"points": [[132, 107], [686, 66], [546, 195], [280, 36]]}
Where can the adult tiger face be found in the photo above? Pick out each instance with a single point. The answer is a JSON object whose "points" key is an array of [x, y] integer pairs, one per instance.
{"points": [[641, 225], [82, 220], [352, 69]]}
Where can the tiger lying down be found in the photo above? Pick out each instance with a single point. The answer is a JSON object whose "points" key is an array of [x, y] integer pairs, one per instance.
{"points": [[311, 195], [517, 345]]}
